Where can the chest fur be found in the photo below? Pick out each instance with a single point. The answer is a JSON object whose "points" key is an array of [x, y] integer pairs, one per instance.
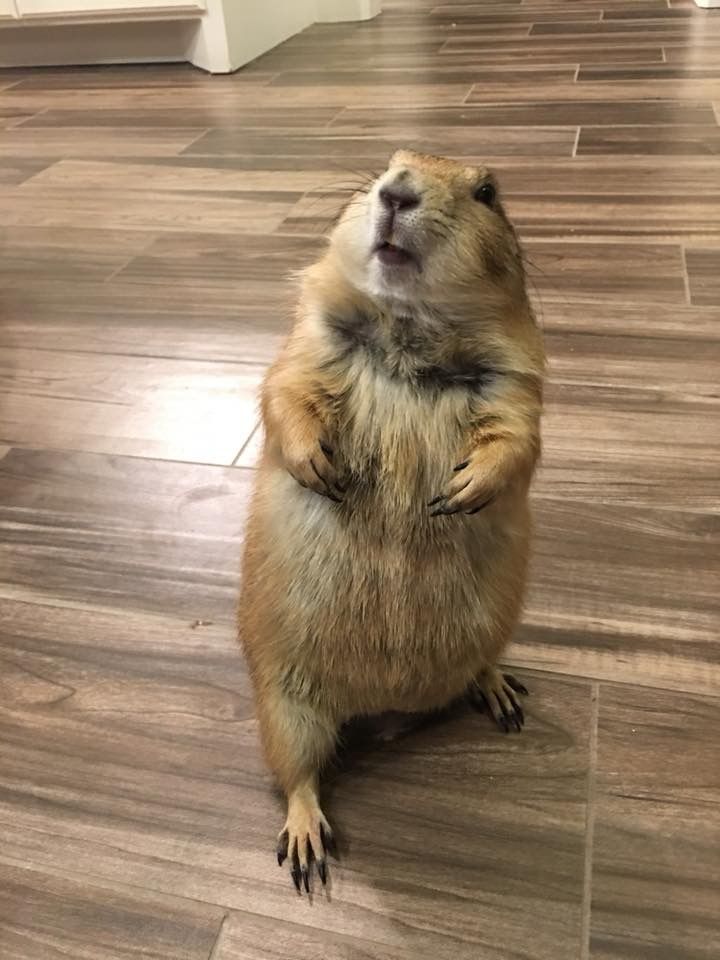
{"points": [[399, 437]]}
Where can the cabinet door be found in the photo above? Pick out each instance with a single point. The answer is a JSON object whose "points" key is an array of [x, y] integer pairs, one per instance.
{"points": [[7, 9], [104, 8]]}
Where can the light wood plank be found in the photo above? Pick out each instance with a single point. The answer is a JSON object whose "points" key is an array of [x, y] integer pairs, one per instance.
{"points": [[143, 406]]}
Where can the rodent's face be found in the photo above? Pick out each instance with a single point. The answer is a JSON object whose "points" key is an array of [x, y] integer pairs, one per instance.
{"points": [[428, 225]]}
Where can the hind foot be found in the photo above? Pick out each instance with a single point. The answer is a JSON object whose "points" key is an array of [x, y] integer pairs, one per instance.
{"points": [[494, 692], [305, 839]]}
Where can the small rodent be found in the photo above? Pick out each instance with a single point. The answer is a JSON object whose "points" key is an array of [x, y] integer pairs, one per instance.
{"points": [[387, 540]]}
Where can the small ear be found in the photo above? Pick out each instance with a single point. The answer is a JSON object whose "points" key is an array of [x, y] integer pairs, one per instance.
{"points": [[401, 157]]}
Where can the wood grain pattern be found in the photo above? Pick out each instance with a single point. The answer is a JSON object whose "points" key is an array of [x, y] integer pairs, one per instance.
{"points": [[656, 832], [107, 923], [569, 113], [151, 536], [55, 254], [689, 140], [149, 319], [55, 142], [703, 268], [149, 219], [144, 406]]}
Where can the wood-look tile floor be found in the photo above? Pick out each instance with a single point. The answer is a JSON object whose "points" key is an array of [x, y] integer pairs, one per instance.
{"points": [[148, 219]]}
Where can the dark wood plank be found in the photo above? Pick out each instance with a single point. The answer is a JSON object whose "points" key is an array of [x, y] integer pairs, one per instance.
{"points": [[375, 143], [648, 71], [568, 113], [15, 170], [205, 259], [670, 28], [650, 140], [623, 592], [27, 253], [610, 271], [142, 77], [205, 321], [655, 878], [178, 117], [12, 116], [662, 12], [558, 49], [703, 266], [44, 917], [149, 536], [650, 179], [436, 75], [54, 142], [47, 200]]}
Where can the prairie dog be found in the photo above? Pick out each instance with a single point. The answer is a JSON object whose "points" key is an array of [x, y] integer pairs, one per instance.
{"points": [[387, 541]]}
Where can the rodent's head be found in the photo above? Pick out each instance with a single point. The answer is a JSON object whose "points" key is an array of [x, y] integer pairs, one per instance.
{"points": [[428, 226]]}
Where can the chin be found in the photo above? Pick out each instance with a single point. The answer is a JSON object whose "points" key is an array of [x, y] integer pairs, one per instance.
{"points": [[400, 283]]}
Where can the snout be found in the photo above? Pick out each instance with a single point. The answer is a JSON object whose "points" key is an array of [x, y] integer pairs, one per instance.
{"points": [[398, 195], [397, 220]]}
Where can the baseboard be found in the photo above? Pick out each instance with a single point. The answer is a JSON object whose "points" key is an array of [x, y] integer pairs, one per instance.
{"points": [[708, 4], [154, 41], [341, 11]]}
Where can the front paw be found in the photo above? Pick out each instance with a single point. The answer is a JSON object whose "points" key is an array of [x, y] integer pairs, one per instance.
{"points": [[315, 468], [469, 491]]}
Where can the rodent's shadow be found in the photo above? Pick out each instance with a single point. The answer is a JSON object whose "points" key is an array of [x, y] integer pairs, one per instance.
{"points": [[367, 741]]}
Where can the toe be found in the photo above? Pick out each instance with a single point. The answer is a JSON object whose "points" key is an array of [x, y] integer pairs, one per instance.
{"points": [[479, 700], [509, 709]]}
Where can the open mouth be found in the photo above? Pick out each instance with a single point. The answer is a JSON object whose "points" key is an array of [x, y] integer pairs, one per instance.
{"points": [[391, 256]]}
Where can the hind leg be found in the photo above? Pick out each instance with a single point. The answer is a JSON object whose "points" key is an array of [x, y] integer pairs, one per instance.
{"points": [[496, 692], [298, 740]]}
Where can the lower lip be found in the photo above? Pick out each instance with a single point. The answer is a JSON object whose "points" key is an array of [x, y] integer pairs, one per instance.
{"points": [[394, 257]]}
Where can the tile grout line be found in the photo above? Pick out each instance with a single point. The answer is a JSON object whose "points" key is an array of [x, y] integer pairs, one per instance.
{"points": [[143, 248], [25, 120], [686, 274], [215, 951], [243, 448], [590, 824], [203, 132], [577, 141]]}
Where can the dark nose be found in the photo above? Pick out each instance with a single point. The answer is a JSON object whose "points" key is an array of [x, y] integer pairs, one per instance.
{"points": [[399, 197]]}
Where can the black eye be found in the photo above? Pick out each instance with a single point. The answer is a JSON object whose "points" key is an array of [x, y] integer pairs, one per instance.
{"points": [[485, 193]]}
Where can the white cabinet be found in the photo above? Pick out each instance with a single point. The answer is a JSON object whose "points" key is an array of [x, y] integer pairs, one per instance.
{"points": [[216, 35], [89, 9], [7, 9]]}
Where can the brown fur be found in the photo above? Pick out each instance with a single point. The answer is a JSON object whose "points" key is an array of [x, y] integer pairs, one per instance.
{"points": [[372, 604]]}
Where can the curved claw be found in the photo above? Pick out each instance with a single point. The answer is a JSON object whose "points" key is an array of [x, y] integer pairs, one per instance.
{"points": [[327, 490], [305, 851], [496, 695], [515, 684], [282, 847], [502, 719], [295, 872]]}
